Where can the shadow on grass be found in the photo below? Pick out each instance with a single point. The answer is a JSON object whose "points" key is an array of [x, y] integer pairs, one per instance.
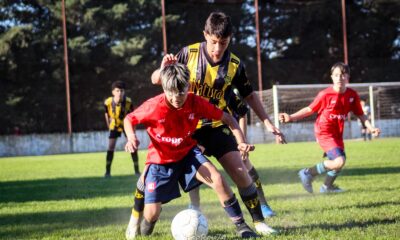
{"points": [[66, 188], [42, 224], [286, 175], [90, 187], [338, 227]]}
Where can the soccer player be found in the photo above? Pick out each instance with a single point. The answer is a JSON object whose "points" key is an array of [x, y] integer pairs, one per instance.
{"points": [[173, 157], [214, 71], [365, 133], [116, 108], [239, 109], [332, 106]]}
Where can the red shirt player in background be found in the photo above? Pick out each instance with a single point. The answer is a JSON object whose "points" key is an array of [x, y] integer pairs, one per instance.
{"points": [[332, 106], [173, 157]]}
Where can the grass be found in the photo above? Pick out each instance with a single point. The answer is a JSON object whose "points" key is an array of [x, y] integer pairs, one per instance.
{"points": [[66, 197]]}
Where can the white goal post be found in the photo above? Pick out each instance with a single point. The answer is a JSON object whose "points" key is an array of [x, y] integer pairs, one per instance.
{"points": [[382, 97], [370, 86]]}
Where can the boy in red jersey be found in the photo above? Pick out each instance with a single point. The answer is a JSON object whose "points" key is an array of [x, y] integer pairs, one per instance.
{"points": [[173, 157], [332, 106]]}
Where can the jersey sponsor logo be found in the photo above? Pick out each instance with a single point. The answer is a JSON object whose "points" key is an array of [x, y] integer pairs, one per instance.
{"points": [[151, 186], [173, 140], [234, 60], [205, 91], [228, 79], [333, 101], [337, 116]]}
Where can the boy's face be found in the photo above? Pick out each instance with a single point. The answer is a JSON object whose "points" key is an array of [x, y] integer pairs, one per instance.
{"points": [[118, 93], [339, 78], [216, 47], [176, 99]]}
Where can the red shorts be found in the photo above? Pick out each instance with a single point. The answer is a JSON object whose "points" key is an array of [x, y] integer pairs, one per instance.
{"points": [[329, 142]]}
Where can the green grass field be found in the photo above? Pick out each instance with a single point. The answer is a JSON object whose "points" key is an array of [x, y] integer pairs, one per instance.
{"points": [[66, 196]]}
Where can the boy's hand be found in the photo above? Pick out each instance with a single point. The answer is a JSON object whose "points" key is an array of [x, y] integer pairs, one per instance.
{"points": [[375, 132], [132, 145], [279, 135], [284, 118], [168, 59], [244, 149]]}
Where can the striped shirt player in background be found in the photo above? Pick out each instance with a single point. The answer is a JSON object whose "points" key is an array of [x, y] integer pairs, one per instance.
{"points": [[116, 108], [332, 106]]}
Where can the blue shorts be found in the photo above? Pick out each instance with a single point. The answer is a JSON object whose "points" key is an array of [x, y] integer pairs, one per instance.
{"points": [[161, 180], [335, 153]]}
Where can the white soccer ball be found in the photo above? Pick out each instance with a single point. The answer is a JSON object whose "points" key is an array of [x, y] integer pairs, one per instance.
{"points": [[189, 224]]}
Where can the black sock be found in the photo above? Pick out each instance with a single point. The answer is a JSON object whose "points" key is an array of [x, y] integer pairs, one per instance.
{"points": [[330, 178], [146, 228], [232, 208], [139, 197], [109, 159], [256, 179], [135, 160], [251, 201]]}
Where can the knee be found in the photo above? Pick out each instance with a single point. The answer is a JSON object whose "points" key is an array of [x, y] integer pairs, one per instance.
{"points": [[152, 214], [218, 180], [339, 163]]}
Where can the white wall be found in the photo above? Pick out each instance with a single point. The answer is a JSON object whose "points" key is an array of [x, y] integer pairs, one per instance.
{"points": [[44, 144]]}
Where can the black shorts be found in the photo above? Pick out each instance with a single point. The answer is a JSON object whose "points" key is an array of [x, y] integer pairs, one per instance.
{"points": [[216, 141], [115, 134]]}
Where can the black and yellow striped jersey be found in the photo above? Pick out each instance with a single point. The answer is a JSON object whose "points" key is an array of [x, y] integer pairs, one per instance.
{"points": [[214, 81], [117, 112]]}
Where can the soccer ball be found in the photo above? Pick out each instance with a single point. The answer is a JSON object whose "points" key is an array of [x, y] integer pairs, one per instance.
{"points": [[189, 224]]}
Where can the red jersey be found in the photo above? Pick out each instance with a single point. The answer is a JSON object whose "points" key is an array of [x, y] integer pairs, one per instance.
{"points": [[170, 130], [332, 109]]}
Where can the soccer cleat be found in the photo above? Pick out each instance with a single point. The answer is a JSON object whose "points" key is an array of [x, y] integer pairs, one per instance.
{"points": [[263, 229], [107, 175], [267, 211], [332, 189], [306, 180], [244, 231], [133, 228]]}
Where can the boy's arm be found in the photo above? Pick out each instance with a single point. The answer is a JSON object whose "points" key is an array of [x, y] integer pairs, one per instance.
{"points": [[254, 102], [302, 113], [364, 120], [243, 125], [132, 143], [107, 120], [243, 147], [167, 59]]}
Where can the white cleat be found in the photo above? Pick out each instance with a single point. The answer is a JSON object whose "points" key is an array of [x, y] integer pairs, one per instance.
{"points": [[263, 229], [133, 228]]}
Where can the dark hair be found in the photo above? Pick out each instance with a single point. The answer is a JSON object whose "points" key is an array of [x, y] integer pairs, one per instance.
{"points": [[175, 77], [118, 84], [218, 24], [344, 68]]}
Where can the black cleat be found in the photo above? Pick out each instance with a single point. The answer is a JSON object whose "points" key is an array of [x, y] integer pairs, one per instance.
{"points": [[244, 231]]}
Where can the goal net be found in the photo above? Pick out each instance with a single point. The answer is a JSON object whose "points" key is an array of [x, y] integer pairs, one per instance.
{"points": [[383, 100]]}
